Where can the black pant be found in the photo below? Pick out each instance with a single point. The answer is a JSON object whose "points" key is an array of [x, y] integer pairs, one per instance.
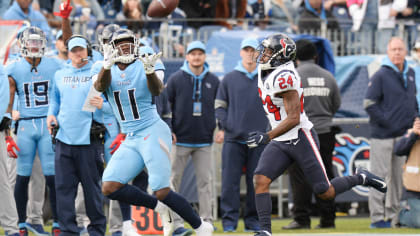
{"points": [[76, 164], [301, 198]]}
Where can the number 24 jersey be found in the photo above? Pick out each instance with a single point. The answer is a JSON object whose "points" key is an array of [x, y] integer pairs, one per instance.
{"points": [[283, 78]]}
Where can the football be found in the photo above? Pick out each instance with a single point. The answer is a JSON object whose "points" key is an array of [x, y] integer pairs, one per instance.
{"points": [[161, 8]]}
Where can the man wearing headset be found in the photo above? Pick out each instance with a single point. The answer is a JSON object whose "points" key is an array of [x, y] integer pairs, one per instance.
{"points": [[79, 140]]}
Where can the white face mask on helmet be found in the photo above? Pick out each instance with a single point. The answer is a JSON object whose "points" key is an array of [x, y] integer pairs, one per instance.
{"points": [[32, 42], [125, 42]]}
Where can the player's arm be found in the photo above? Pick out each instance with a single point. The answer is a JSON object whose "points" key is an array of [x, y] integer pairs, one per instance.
{"points": [[103, 81], [292, 106], [12, 90], [154, 84]]}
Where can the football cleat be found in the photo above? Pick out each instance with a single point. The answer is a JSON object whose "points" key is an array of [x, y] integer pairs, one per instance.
{"points": [[262, 233], [37, 229], [371, 180], [23, 232], [205, 229]]}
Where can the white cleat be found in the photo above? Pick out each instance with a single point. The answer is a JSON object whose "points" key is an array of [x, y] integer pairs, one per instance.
{"points": [[205, 229], [166, 218], [129, 230]]}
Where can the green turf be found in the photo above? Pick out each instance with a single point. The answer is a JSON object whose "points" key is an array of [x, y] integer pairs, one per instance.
{"points": [[343, 225]]}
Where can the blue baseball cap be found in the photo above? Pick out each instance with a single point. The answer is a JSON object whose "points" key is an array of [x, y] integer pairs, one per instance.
{"points": [[59, 35], [77, 42], [249, 42], [196, 45]]}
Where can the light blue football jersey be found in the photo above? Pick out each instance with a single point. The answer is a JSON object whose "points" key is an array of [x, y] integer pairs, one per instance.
{"points": [[131, 99], [33, 87]]}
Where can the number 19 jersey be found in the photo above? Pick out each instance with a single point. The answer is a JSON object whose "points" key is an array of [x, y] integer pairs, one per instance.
{"points": [[283, 78], [130, 98], [33, 87]]}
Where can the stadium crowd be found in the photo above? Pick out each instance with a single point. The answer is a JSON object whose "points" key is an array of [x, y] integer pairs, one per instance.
{"points": [[67, 54]]}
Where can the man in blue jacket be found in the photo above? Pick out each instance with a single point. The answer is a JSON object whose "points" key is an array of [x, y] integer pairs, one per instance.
{"points": [[239, 112], [191, 92], [79, 146], [22, 10], [391, 104]]}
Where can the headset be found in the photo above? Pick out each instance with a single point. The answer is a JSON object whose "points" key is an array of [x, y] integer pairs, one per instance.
{"points": [[89, 45]]}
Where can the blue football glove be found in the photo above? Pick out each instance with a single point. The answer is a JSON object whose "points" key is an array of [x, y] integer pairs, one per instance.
{"points": [[256, 138]]}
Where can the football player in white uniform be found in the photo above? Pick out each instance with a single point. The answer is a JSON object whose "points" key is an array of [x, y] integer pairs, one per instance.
{"points": [[291, 138]]}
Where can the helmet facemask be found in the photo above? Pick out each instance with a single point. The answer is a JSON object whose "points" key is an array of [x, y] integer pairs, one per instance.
{"points": [[33, 44], [126, 43]]}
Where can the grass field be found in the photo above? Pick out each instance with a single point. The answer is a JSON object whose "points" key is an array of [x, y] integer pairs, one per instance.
{"points": [[344, 225]]}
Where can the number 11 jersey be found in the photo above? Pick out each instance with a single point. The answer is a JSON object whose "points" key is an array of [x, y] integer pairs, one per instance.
{"points": [[130, 98], [283, 78]]}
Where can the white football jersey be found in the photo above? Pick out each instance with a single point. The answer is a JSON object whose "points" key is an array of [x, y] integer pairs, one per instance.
{"points": [[283, 78]]}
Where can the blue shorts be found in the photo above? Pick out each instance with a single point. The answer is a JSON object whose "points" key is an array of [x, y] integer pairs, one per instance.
{"points": [[33, 136], [278, 156], [150, 148]]}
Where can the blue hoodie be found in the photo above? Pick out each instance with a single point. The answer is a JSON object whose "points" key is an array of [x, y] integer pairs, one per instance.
{"points": [[183, 89], [4, 92], [238, 106], [391, 100], [69, 93], [34, 17]]}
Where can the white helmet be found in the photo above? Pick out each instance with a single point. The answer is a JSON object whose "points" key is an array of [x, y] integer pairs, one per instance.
{"points": [[127, 52], [33, 42]]}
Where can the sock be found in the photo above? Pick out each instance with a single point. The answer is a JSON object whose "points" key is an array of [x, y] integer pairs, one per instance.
{"points": [[342, 184], [50, 181], [126, 225], [264, 208], [134, 196], [125, 211], [180, 205], [21, 196]]}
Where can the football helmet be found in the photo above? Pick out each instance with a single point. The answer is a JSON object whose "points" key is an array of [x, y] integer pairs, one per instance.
{"points": [[106, 33], [125, 42], [32, 42], [276, 50]]}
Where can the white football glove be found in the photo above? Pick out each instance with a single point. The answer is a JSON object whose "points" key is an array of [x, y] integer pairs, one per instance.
{"points": [[110, 56], [149, 62]]}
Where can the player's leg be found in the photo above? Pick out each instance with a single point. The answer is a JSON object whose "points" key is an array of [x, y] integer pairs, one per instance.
{"points": [[273, 162], [66, 182], [36, 197], [89, 161], [27, 143], [250, 214], [46, 156], [8, 213], [156, 153], [233, 160], [307, 155], [180, 156]]}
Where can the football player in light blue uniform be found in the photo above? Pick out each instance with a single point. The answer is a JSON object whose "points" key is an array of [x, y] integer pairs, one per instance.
{"points": [[32, 78], [130, 85]]}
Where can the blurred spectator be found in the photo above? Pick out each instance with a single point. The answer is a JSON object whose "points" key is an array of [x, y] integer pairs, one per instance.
{"points": [[22, 10], [4, 5], [312, 16], [415, 54], [198, 9], [329, 4], [78, 5], [235, 9], [409, 146], [237, 97], [132, 15], [110, 8], [191, 92], [391, 104], [259, 11], [322, 100], [409, 15], [284, 9]]}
